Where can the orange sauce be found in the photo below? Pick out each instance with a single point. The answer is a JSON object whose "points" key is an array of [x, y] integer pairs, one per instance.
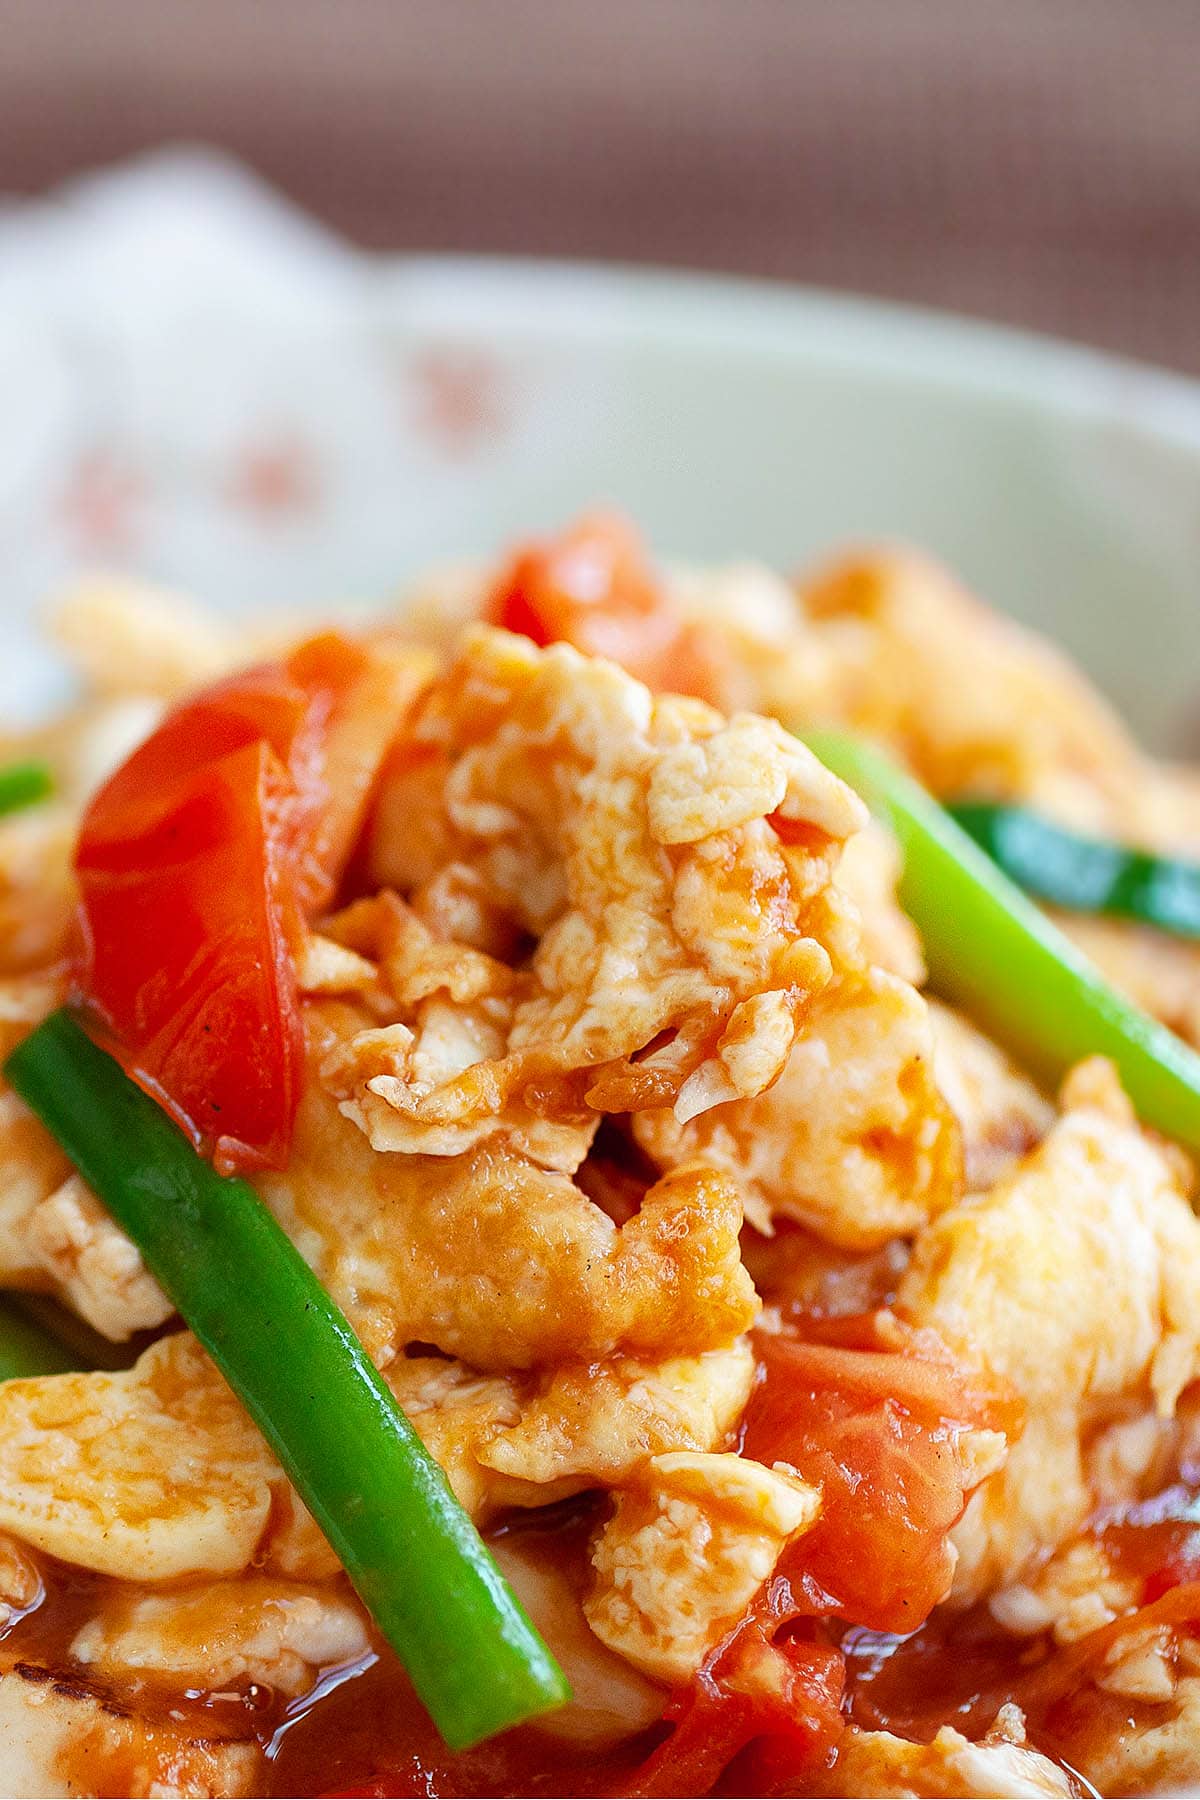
{"points": [[41, 1640], [366, 1720], [361, 1729], [960, 1669]]}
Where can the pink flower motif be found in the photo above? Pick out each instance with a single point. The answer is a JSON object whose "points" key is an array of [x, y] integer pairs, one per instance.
{"points": [[100, 501], [275, 478], [463, 399]]}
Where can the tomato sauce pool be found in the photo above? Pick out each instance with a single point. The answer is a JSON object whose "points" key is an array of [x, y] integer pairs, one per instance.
{"points": [[362, 1731]]}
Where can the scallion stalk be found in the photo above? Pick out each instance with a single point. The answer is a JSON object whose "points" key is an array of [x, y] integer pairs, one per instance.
{"points": [[24, 784], [1085, 874], [26, 1348], [994, 953], [293, 1359]]}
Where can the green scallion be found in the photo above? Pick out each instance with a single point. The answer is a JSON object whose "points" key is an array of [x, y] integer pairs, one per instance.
{"points": [[1085, 874], [24, 784], [991, 951], [294, 1361]]}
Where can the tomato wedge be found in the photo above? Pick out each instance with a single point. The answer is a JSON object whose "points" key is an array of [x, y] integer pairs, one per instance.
{"points": [[593, 586], [876, 1418], [198, 862], [764, 1712]]}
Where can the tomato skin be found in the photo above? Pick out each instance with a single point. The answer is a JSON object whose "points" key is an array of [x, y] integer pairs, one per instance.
{"points": [[764, 1711], [593, 587], [197, 863], [878, 1428]]}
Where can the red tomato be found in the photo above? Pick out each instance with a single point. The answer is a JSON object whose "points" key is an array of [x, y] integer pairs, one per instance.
{"points": [[197, 863], [757, 1718], [593, 587], [1157, 1539], [878, 1429]]}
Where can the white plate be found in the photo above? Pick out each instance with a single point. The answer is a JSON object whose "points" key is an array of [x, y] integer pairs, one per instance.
{"points": [[198, 385]]}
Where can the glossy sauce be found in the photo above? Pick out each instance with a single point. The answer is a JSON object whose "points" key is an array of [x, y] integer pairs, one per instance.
{"points": [[367, 1720], [41, 1640], [361, 1730], [960, 1669]]}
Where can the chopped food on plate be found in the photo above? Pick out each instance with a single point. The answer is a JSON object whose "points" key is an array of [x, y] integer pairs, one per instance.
{"points": [[598, 1199]]}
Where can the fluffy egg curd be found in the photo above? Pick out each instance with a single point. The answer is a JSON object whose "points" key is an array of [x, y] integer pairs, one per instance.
{"points": [[772, 1378]]}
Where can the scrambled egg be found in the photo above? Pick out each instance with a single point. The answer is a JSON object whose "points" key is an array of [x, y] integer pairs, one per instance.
{"points": [[59, 1738], [218, 1634], [1001, 1114], [889, 644], [1077, 1277], [690, 1544], [155, 1472], [1161, 973], [93, 1265], [616, 1051], [679, 942], [974, 701], [1157, 1753], [149, 1473], [879, 1766], [538, 1272], [854, 1140]]}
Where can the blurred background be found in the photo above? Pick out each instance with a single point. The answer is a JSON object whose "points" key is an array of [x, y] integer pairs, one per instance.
{"points": [[1035, 161]]}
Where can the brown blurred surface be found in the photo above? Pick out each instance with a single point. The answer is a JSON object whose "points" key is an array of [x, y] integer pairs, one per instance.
{"points": [[1036, 161]]}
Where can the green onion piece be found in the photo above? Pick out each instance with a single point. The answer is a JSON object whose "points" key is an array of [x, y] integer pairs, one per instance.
{"points": [[23, 784], [292, 1358], [992, 952], [1084, 874], [26, 1348]]}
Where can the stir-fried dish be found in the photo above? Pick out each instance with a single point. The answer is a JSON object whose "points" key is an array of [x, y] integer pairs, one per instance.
{"points": [[597, 1199]]}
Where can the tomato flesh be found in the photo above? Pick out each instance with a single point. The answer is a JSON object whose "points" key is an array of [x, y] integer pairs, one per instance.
{"points": [[878, 1429], [594, 587], [874, 1409], [764, 1711], [197, 863]]}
